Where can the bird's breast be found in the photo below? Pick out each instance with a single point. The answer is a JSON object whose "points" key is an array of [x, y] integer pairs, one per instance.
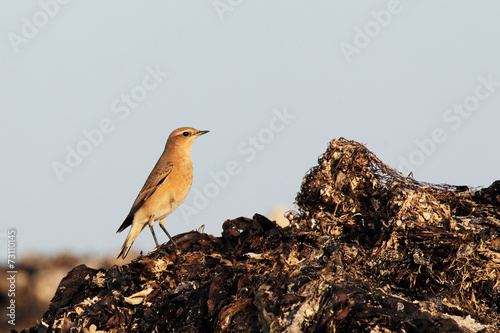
{"points": [[171, 193]]}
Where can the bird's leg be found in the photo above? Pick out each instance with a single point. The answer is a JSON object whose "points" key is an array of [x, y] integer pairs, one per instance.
{"points": [[163, 227], [151, 222]]}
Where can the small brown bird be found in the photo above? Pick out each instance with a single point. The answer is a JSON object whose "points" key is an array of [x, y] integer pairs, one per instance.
{"points": [[165, 189]]}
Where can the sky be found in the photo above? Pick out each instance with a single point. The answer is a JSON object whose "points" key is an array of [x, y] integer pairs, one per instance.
{"points": [[90, 91]]}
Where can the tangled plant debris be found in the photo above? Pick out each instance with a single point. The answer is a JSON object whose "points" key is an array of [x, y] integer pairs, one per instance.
{"points": [[433, 244], [370, 250]]}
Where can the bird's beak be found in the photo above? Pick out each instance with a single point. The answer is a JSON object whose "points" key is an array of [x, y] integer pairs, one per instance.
{"points": [[201, 132]]}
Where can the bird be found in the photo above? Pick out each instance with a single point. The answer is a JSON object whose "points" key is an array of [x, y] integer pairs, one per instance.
{"points": [[165, 189]]}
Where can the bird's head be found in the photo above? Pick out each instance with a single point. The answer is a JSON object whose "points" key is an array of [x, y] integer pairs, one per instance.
{"points": [[183, 137]]}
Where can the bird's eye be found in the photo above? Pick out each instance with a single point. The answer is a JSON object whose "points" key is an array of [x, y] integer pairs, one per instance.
{"points": [[185, 133]]}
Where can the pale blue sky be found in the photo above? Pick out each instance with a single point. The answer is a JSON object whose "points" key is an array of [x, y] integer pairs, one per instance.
{"points": [[417, 81]]}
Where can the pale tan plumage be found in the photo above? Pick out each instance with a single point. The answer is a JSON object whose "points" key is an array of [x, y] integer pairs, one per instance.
{"points": [[165, 189]]}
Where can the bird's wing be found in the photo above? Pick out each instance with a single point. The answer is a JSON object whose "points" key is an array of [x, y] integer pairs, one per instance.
{"points": [[155, 179]]}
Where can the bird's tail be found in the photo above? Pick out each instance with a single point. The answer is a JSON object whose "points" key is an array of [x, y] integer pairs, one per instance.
{"points": [[132, 235]]}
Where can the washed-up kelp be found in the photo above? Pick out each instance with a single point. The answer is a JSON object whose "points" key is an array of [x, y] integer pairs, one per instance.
{"points": [[369, 250]]}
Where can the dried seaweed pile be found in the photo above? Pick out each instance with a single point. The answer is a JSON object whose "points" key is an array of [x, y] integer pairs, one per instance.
{"points": [[370, 250], [434, 244]]}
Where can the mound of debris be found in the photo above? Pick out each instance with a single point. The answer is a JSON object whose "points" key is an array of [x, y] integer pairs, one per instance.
{"points": [[37, 278], [370, 250]]}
